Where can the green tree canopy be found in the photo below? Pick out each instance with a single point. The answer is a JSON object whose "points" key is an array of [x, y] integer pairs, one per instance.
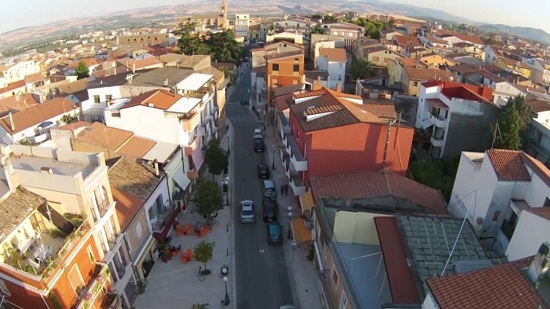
{"points": [[373, 28], [513, 122], [216, 158], [82, 70], [203, 252], [361, 69], [318, 29], [221, 46], [508, 131], [208, 197]]}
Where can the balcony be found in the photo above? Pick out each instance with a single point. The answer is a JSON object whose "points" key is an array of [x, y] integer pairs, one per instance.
{"points": [[192, 173], [192, 146], [437, 141], [103, 206], [159, 222], [39, 252], [296, 157], [439, 121], [190, 121], [95, 287]]}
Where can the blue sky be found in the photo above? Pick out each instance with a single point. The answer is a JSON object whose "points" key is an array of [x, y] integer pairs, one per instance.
{"points": [[21, 13]]}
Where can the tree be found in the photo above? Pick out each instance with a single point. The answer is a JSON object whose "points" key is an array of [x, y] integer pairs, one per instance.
{"points": [[507, 135], [216, 158], [318, 29], [203, 252], [208, 197], [361, 69], [513, 124], [221, 46], [82, 70]]}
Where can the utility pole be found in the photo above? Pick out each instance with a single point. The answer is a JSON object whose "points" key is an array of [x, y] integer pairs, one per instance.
{"points": [[497, 130]]}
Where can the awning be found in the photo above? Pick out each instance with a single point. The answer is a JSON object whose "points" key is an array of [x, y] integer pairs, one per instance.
{"points": [[299, 231], [198, 158], [161, 237], [180, 178], [306, 201]]}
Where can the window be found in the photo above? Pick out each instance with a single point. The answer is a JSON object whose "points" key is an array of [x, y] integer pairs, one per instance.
{"points": [[343, 301], [96, 98], [334, 276], [296, 68], [415, 84], [160, 205], [138, 230], [75, 278], [496, 215], [108, 97], [4, 289], [90, 253], [375, 58], [275, 67]]}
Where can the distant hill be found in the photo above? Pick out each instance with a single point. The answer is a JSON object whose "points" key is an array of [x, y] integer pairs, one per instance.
{"points": [[159, 16], [524, 32]]}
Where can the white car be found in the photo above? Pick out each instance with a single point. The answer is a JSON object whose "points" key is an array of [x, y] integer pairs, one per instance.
{"points": [[258, 134], [247, 212]]}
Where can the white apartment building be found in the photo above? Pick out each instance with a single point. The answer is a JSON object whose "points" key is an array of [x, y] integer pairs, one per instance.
{"points": [[242, 24]]}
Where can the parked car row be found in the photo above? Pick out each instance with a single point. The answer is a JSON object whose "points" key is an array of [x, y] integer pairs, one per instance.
{"points": [[259, 145]]}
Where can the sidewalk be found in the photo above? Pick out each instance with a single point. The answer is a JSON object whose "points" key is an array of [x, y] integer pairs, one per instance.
{"points": [[175, 284], [302, 275]]}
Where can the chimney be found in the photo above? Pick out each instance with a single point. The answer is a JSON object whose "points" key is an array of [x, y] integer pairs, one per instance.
{"points": [[12, 123], [46, 170], [338, 87], [156, 165], [540, 264]]}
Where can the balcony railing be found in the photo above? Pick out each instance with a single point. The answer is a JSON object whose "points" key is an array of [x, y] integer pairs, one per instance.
{"points": [[192, 173], [296, 157], [438, 121], [437, 142], [95, 287], [189, 149], [190, 121], [70, 241], [161, 220]]}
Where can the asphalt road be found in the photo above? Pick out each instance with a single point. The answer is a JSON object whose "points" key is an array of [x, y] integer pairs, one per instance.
{"points": [[262, 279]]}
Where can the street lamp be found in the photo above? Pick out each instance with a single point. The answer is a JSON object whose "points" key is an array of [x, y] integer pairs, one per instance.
{"points": [[273, 156], [226, 299], [289, 234]]}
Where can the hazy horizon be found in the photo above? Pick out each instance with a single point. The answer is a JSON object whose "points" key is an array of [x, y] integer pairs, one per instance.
{"points": [[26, 13]]}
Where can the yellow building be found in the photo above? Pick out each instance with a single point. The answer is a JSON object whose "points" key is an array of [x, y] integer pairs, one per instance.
{"points": [[516, 66], [433, 60]]}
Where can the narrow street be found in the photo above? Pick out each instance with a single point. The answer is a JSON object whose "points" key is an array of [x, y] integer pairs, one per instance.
{"points": [[262, 280]]}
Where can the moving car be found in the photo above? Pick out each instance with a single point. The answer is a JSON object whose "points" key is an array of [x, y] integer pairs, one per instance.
{"points": [[263, 171], [274, 233], [247, 212], [259, 145], [270, 209]]}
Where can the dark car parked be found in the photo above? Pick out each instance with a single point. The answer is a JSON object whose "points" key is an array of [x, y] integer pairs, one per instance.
{"points": [[259, 145], [263, 171], [270, 209], [274, 233]]}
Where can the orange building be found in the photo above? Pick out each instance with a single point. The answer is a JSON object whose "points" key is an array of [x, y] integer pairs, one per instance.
{"points": [[283, 69]]}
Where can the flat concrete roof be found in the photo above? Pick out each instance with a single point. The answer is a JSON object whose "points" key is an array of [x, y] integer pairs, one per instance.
{"points": [[35, 164]]}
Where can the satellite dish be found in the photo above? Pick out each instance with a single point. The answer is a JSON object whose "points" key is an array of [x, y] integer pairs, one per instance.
{"points": [[479, 220]]}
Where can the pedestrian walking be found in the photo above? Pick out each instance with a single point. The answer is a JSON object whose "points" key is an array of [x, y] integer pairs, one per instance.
{"points": [[286, 188], [282, 189]]}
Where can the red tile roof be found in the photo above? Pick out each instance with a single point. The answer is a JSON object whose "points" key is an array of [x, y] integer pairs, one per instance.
{"points": [[12, 86], [334, 54], [502, 286], [283, 55], [543, 212], [508, 165], [457, 90], [405, 40], [367, 184], [161, 99], [37, 114], [400, 276], [127, 206]]}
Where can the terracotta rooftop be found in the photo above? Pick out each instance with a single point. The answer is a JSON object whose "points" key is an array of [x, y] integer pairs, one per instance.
{"points": [[424, 74], [127, 206], [17, 103], [161, 99], [74, 125], [508, 165], [351, 112], [16, 208], [502, 286], [406, 40], [334, 54], [538, 105], [313, 110], [130, 176], [273, 56], [37, 114], [136, 147], [410, 62], [381, 110], [102, 135], [368, 184], [13, 86]]}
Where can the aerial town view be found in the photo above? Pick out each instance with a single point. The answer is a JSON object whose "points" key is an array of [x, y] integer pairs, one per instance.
{"points": [[365, 154]]}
